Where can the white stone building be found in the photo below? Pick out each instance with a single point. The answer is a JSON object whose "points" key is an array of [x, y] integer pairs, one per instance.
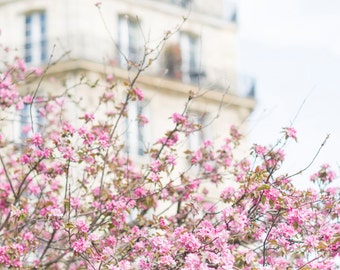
{"points": [[87, 38]]}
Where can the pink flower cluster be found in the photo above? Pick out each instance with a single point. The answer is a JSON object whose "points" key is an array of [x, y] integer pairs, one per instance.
{"points": [[72, 196]]}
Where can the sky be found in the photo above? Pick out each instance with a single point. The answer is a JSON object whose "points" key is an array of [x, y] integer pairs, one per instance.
{"points": [[292, 49]]}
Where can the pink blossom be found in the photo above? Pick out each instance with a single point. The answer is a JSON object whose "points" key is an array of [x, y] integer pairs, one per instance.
{"points": [[75, 203], [143, 264], [19, 105], [140, 192], [21, 65], [37, 139], [325, 174], [167, 260], [171, 160], [155, 166], [207, 143], [56, 212], [139, 93], [60, 101], [25, 159], [311, 241], [169, 141], [26, 129], [189, 241], [227, 193], [69, 128], [4, 257], [234, 133], [290, 133], [67, 152], [34, 189], [154, 177], [20, 248], [88, 117], [108, 95], [96, 191], [37, 71], [260, 150], [93, 237], [107, 251], [250, 255], [80, 245], [192, 262], [178, 118], [55, 185], [109, 77], [162, 223], [28, 99], [81, 225], [28, 236], [142, 120], [207, 167], [197, 157], [104, 140]]}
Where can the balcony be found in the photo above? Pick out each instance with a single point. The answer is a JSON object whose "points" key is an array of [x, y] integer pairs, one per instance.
{"points": [[103, 51]]}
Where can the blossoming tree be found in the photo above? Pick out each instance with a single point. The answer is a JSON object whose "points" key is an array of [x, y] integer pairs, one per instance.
{"points": [[71, 197]]}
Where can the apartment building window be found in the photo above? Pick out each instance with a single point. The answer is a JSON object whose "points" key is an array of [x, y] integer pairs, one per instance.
{"points": [[182, 3], [137, 132], [26, 123], [173, 61], [190, 56], [229, 11], [197, 137], [130, 40], [35, 38]]}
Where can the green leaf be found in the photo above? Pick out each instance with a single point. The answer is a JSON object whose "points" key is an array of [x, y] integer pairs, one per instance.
{"points": [[296, 225], [263, 187], [322, 245], [69, 225]]}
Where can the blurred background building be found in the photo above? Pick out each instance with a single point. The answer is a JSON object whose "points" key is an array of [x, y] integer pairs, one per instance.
{"points": [[85, 38]]}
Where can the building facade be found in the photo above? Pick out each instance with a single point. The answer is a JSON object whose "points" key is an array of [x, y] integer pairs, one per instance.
{"points": [[191, 48]]}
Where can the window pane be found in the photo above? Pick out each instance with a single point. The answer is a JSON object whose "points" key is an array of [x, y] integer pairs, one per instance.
{"points": [[137, 132], [35, 35], [129, 40], [197, 137], [190, 55]]}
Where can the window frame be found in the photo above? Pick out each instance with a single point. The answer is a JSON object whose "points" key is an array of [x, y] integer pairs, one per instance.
{"points": [[130, 47], [35, 48], [137, 136], [198, 136], [30, 117], [190, 57]]}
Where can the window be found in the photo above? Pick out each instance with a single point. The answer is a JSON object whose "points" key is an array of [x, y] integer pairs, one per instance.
{"points": [[137, 132], [130, 40], [35, 38], [173, 61], [182, 3], [229, 11], [190, 54], [197, 137], [27, 123]]}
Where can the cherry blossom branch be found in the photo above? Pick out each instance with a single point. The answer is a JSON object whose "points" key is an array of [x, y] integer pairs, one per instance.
{"points": [[313, 159], [8, 177], [267, 236]]}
